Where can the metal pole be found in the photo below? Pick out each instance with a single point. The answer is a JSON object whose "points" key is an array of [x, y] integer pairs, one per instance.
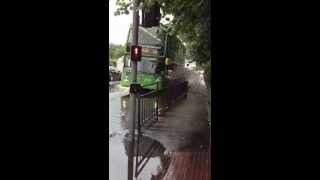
{"points": [[132, 105], [157, 105]]}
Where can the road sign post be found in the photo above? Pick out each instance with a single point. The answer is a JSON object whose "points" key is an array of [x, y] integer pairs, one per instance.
{"points": [[132, 100]]}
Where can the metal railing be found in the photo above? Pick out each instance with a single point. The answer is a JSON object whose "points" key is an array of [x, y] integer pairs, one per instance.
{"points": [[148, 113], [147, 109], [144, 151]]}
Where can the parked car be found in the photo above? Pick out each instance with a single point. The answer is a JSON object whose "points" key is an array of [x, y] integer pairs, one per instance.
{"points": [[114, 75], [112, 69], [110, 76]]}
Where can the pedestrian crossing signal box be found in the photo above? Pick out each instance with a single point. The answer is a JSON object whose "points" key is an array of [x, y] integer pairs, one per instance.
{"points": [[135, 88], [136, 52]]}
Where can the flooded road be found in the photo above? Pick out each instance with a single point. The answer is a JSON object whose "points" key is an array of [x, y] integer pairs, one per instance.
{"points": [[118, 130]]}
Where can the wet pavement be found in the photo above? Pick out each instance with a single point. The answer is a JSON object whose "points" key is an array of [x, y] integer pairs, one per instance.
{"points": [[118, 130], [188, 166], [181, 135], [184, 132], [185, 126]]}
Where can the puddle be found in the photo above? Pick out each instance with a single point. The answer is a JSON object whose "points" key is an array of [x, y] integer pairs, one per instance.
{"points": [[118, 147]]}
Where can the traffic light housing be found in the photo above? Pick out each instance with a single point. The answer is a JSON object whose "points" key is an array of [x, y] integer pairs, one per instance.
{"points": [[151, 17], [136, 53]]}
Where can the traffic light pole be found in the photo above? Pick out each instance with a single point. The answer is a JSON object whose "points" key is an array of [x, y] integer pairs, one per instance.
{"points": [[132, 100]]}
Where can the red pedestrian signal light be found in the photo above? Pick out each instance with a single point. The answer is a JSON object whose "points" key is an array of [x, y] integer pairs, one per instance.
{"points": [[136, 53]]}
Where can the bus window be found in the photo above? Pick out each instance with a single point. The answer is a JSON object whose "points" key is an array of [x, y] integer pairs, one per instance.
{"points": [[149, 65], [146, 65]]}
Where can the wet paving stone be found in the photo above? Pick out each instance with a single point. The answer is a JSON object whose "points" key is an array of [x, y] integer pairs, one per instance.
{"points": [[184, 131], [188, 166]]}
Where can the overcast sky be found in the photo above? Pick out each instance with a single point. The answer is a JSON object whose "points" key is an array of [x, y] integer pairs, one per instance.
{"points": [[118, 25]]}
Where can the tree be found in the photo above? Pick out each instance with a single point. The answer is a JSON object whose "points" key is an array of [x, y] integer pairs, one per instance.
{"points": [[115, 52], [190, 21]]}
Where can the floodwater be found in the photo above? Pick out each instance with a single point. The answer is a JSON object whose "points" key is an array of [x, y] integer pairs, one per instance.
{"points": [[182, 128], [118, 131]]}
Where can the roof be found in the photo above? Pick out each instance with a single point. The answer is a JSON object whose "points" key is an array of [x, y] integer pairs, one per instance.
{"points": [[153, 36]]}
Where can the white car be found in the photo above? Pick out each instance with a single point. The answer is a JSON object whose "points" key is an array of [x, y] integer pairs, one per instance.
{"points": [[112, 69]]}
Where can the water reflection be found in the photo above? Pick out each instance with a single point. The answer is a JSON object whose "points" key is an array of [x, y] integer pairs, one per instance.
{"points": [[145, 146], [148, 156], [125, 109], [114, 86], [124, 105], [118, 148]]}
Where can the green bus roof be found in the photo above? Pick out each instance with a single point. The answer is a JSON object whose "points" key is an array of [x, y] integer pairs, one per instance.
{"points": [[153, 36]]}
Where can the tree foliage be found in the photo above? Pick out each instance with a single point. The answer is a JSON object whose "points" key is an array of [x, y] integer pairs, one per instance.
{"points": [[115, 52], [190, 21]]}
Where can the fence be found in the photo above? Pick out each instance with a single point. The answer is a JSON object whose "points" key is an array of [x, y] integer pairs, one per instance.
{"points": [[147, 114], [148, 107], [145, 149]]}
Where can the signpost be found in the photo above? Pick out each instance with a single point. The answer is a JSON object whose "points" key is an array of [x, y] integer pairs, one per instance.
{"points": [[132, 101], [150, 19]]}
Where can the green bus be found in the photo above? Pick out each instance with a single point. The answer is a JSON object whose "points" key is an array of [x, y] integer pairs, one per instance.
{"points": [[162, 59]]}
